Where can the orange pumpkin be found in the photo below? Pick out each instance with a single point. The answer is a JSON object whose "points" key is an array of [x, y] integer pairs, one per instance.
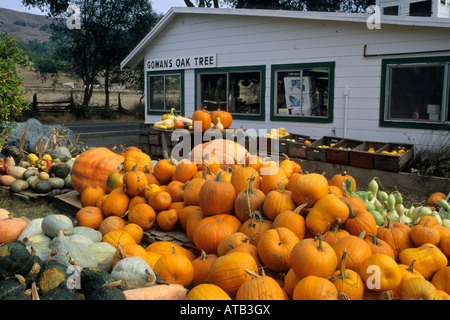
{"points": [[137, 159], [211, 230], [388, 277], [90, 217], [240, 176], [185, 170], [167, 219], [275, 247], [228, 271], [134, 181], [176, 190], [277, 201], [433, 198], [169, 247], [118, 236], [309, 188], [159, 200], [271, 177], [111, 223], [116, 204], [93, 167], [143, 215], [135, 230], [254, 227], [225, 118], [357, 250], [293, 220], [315, 288], [201, 120], [201, 265], [325, 212], [348, 281], [339, 180], [396, 234], [217, 197], [90, 195], [260, 287], [248, 200], [175, 269], [11, 228], [164, 170], [313, 256]]}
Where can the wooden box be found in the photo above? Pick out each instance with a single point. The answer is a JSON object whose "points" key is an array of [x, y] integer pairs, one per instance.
{"points": [[339, 152], [265, 144], [385, 160], [362, 155], [317, 151], [297, 149]]}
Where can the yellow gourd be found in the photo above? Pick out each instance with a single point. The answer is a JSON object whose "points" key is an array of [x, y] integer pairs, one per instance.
{"points": [[219, 125]]}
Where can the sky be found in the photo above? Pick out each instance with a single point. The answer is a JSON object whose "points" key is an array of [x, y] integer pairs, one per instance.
{"points": [[161, 6]]}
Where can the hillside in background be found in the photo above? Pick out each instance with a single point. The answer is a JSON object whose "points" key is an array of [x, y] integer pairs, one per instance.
{"points": [[25, 27]]}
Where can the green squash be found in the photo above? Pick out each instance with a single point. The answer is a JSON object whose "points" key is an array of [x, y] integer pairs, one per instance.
{"points": [[51, 275], [104, 253], [68, 250], [93, 279], [68, 182], [61, 153], [42, 186], [108, 292], [30, 172], [60, 170], [56, 183], [93, 234], [13, 289], [33, 228], [18, 186], [54, 223], [134, 272], [15, 259], [61, 292]]}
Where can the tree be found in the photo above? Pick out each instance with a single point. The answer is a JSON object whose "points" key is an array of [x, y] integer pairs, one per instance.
{"points": [[101, 38], [12, 101]]}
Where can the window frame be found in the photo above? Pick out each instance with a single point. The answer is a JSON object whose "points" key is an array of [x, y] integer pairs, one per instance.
{"points": [[331, 65], [384, 92], [164, 73], [253, 68]]}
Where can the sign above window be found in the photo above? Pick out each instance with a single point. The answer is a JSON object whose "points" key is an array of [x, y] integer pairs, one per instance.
{"points": [[191, 62]]}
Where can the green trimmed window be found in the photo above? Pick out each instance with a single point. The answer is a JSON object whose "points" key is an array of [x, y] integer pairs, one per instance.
{"points": [[238, 90], [303, 92], [165, 91], [415, 92]]}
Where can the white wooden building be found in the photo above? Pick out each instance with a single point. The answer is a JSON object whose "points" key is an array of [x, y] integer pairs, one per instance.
{"points": [[371, 77]]}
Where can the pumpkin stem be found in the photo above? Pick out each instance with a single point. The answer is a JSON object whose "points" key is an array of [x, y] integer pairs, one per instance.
{"points": [[299, 208], [320, 238], [375, 240], [114, 284], [343, 273], [411, 266], [351, 212], [362, 234], [252, 273], [280, 185], [219, 176]]}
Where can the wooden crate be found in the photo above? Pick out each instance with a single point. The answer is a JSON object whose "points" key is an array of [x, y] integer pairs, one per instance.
{"points": [[339, 153], [297, 149], [283, 144], [317, 151], [393, 163], [361, 157]]}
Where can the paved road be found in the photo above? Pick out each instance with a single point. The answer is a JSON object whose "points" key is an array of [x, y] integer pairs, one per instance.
{"points": [[107, 134]]}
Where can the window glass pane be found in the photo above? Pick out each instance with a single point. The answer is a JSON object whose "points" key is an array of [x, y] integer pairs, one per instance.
{"points": [[302, 92], [156, 87], [173, 89], [415, 92], [244, 92], [164, 92], [213, 92]]}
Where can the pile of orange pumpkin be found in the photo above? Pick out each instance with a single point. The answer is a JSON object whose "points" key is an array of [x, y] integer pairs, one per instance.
{"points": [[258, 230]]}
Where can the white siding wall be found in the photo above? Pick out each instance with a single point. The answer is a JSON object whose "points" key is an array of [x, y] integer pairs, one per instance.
{"points": [[241, 41]]}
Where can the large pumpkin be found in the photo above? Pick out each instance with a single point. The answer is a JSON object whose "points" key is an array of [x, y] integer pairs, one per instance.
{"points": [[227, 151], [93, 167]]}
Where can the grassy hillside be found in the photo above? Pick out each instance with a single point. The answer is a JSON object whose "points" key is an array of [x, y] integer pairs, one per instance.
{"points": [[25, 26]]}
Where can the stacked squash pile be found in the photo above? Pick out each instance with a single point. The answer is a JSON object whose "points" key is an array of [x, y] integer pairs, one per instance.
{"points": [[258, 231]]}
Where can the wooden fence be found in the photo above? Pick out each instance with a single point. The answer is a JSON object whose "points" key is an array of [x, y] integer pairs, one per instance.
{"points": [[67, 105]]}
